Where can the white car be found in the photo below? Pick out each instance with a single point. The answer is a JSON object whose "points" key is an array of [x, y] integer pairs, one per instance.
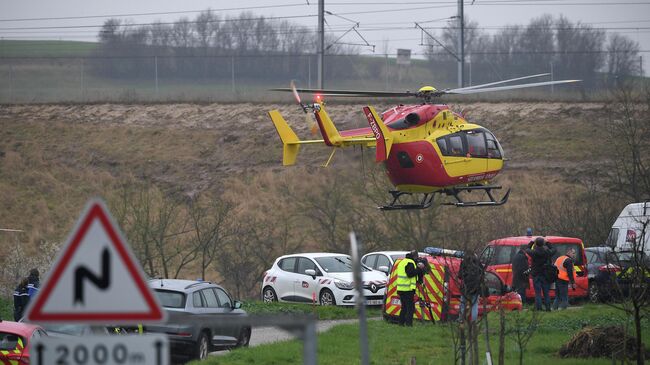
{"points": [[384, 260], [324, 278]]}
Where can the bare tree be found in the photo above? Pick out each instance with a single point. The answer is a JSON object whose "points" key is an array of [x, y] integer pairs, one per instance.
{"points": [[629, 131], [580, 55], [629, 283], [622, 59], [212, 224], [155, 225], [523, 325], [538, 42], [328, 207]]}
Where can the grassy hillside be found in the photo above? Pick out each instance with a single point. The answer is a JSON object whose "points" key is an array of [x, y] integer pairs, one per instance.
{"points": [[53, 158]]}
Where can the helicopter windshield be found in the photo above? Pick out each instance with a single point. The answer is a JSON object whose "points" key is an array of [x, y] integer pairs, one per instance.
{"points": [[475, 143]]}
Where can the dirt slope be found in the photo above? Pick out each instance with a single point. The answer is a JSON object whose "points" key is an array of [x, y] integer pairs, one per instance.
{"points": [[53, 157]]}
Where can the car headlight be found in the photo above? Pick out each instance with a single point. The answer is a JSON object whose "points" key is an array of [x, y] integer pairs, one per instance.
{"points": [[345, 285]]}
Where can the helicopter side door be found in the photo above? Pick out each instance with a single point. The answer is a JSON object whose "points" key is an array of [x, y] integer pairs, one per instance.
{"points": [[477, 148], [464, 153]]}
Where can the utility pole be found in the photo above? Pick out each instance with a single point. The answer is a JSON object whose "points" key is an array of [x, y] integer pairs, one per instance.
{"points": [[461, 45], [552, 79], [321, 43], [641, 66]]}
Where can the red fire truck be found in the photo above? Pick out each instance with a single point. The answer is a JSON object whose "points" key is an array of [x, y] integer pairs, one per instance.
{"points": [[498, 255], [438, 295]]}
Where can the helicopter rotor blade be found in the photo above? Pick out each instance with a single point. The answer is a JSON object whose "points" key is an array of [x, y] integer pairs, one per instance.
{"points": [[427, 95], [500, 82], [326, 92], [295, 92], [510, 87]]}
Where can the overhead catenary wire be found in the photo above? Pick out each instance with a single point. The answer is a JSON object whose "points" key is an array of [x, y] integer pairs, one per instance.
{"points": [[153, 13], [281, 55]]}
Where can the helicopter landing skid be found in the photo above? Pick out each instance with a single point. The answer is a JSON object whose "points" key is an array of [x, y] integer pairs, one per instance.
{"points": [[427, 199], [488, 190]]}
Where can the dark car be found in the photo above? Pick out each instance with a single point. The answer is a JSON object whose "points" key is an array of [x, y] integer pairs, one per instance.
{"points": [[195, 310], [615, 280], [596, 262]]}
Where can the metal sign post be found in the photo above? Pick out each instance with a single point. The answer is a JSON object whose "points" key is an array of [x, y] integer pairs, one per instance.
{"points": [[360, 298]]}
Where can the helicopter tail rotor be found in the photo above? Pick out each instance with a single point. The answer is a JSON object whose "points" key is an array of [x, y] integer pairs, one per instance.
{"points": [[311, 124]]}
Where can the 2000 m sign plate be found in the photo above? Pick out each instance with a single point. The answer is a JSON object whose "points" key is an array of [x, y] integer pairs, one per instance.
{"points": [[101, 350]]}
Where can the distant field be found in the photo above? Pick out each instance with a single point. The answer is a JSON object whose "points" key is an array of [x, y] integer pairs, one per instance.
{"points": [[13, 48]]}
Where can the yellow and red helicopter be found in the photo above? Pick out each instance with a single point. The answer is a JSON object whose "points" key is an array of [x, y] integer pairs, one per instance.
{"points": [[426, 148]]}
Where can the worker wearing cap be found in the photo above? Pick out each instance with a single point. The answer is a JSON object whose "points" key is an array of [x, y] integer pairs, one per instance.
{"points": [[541, 256], [407, 275]]}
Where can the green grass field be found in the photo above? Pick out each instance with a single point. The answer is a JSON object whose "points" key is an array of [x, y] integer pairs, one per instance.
{"points": [[37, 48], [432, 344], [427, 343], [321, 312], [6, 309]]}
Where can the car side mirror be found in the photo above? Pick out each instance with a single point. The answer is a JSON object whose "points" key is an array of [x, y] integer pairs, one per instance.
{"points": [[236, 304], [311, 272], [505, 289], [383, 269]]}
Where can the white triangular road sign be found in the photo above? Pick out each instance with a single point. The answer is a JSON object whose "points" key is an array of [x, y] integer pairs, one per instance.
{"points": [[96, 278]]}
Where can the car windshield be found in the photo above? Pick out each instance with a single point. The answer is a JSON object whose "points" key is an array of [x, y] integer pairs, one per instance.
{"points": [[9, 341], [562, 248], [170, 299], [502, 255], [396, 257], [68, 329], [337, 264], [626, 258]]}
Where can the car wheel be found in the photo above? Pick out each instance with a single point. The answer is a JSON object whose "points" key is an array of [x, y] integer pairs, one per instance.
{"points": [[244, 337], [594, 294], [327, 297], [268, 295], [202, 347]]}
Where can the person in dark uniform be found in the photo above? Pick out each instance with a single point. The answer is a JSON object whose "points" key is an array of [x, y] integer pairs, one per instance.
{"points": [[520, 271], [33, 284], [541, 256], [471, 273], [21, 297]]}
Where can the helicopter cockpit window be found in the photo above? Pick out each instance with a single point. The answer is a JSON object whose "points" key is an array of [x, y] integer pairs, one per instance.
{"points": [[442, 144], [493, 147], [476, 144], [456, 145], [452, 145]]}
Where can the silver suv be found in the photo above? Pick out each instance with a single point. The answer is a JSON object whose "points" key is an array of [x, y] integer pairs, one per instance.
{"points": [[195, 310]]}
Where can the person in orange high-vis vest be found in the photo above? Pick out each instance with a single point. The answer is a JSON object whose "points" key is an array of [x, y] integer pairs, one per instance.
{"points": [[565, 278]]}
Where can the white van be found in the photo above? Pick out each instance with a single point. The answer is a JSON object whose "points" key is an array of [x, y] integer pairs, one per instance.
{"points": [[628, 232]]}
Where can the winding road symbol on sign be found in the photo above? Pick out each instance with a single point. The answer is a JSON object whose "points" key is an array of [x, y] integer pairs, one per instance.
{"points": [[82, 272], [96, 278]]}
